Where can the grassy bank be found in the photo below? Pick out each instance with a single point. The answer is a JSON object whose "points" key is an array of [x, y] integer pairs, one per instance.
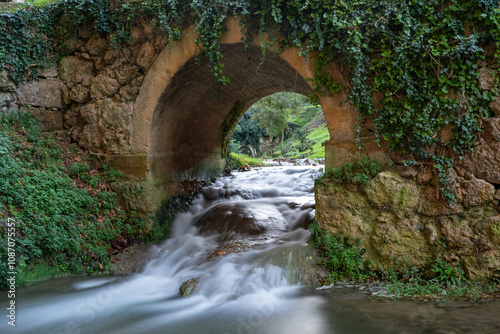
{"points": [[65, 214]]}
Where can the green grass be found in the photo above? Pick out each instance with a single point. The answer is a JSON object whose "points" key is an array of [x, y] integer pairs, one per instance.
{"points": [[306, 115], [245, 160], [41, 2], [319, 136]]}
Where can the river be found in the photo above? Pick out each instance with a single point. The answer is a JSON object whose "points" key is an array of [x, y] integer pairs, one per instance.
{"points": [[262, 215]]}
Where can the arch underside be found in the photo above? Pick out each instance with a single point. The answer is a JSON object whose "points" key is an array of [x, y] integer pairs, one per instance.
{"points": [[187, 132]]}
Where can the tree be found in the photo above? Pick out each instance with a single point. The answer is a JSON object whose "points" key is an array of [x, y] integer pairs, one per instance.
{"points": [[248, 131], [273, 112]]}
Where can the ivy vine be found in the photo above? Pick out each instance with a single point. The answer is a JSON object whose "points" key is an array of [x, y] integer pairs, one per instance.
{"points": [[413, 64]]}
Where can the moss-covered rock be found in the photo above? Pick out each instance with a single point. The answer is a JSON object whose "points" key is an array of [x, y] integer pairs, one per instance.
{"points": [[403, 222]]}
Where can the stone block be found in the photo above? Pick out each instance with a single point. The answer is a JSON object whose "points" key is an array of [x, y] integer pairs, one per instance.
{"points": [[43, 93]]}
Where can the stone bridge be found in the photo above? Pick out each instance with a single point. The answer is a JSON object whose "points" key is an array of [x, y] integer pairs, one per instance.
{"points": [[151, 109]]}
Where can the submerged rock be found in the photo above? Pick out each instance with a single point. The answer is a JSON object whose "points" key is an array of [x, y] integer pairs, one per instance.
{"points": [[231, 220], [131, 260], [188, 287]]}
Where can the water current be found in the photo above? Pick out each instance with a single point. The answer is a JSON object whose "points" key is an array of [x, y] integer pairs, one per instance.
{"points": [[257, 220]]}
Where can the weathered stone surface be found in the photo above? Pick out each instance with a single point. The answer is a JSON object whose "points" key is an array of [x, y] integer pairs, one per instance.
{"points": [[491, 129], [390, 238], [110, 56], [65, 91], [97, 46], [475, 191], [5, 82], [73, 44], [140, 197], [485, 266], [89, 137], [50, 120], [131, 260], [7, 99], [114, 126], [49, 72], [129, 92], [102, 86], [457, 234], [44, 93], [79, 94], [124, 75], [486, 78], [135, 166], [138, 35], [495, 106], [73, 70], [484, 161], [89, 113], [115, 115], [388, 189], [433, 204], [146, 56]]}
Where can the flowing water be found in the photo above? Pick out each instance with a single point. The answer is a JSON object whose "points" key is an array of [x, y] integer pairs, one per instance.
{"points": [[261, 214]]}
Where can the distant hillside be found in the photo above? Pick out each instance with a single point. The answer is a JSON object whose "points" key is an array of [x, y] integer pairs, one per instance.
{"points": [[303, 138]]}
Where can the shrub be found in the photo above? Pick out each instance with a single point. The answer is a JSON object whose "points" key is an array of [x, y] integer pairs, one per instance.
{"points": [[341, 256]]}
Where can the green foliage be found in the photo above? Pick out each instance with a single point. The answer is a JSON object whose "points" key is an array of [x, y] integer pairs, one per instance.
{"points": [[248, 131], [273, 113], [360, 171], [447, 283], [447, 273], [112, 174], [341, 256], [58, 224]]}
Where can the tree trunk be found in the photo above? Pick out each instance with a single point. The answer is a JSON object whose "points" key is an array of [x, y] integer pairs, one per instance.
{"points": [[282, 137]]}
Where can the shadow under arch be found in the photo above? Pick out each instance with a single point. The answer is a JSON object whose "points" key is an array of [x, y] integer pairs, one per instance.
{"points": [[190, 122]]}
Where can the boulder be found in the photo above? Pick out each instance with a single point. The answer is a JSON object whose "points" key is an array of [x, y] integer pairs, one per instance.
{"points": [[103, 86], [188, 287], [131, 260], [74, 70], [44, 93]]}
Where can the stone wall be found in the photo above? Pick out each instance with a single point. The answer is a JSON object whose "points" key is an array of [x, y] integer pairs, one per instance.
{"points": [[42, 96], [404, 221], [402, 216]]}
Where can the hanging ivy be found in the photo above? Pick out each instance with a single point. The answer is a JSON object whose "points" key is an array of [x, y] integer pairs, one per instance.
{"points": [[418, 57]]}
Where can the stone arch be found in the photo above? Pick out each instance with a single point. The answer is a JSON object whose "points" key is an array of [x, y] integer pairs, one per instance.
{"points": [[178, 124]]}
